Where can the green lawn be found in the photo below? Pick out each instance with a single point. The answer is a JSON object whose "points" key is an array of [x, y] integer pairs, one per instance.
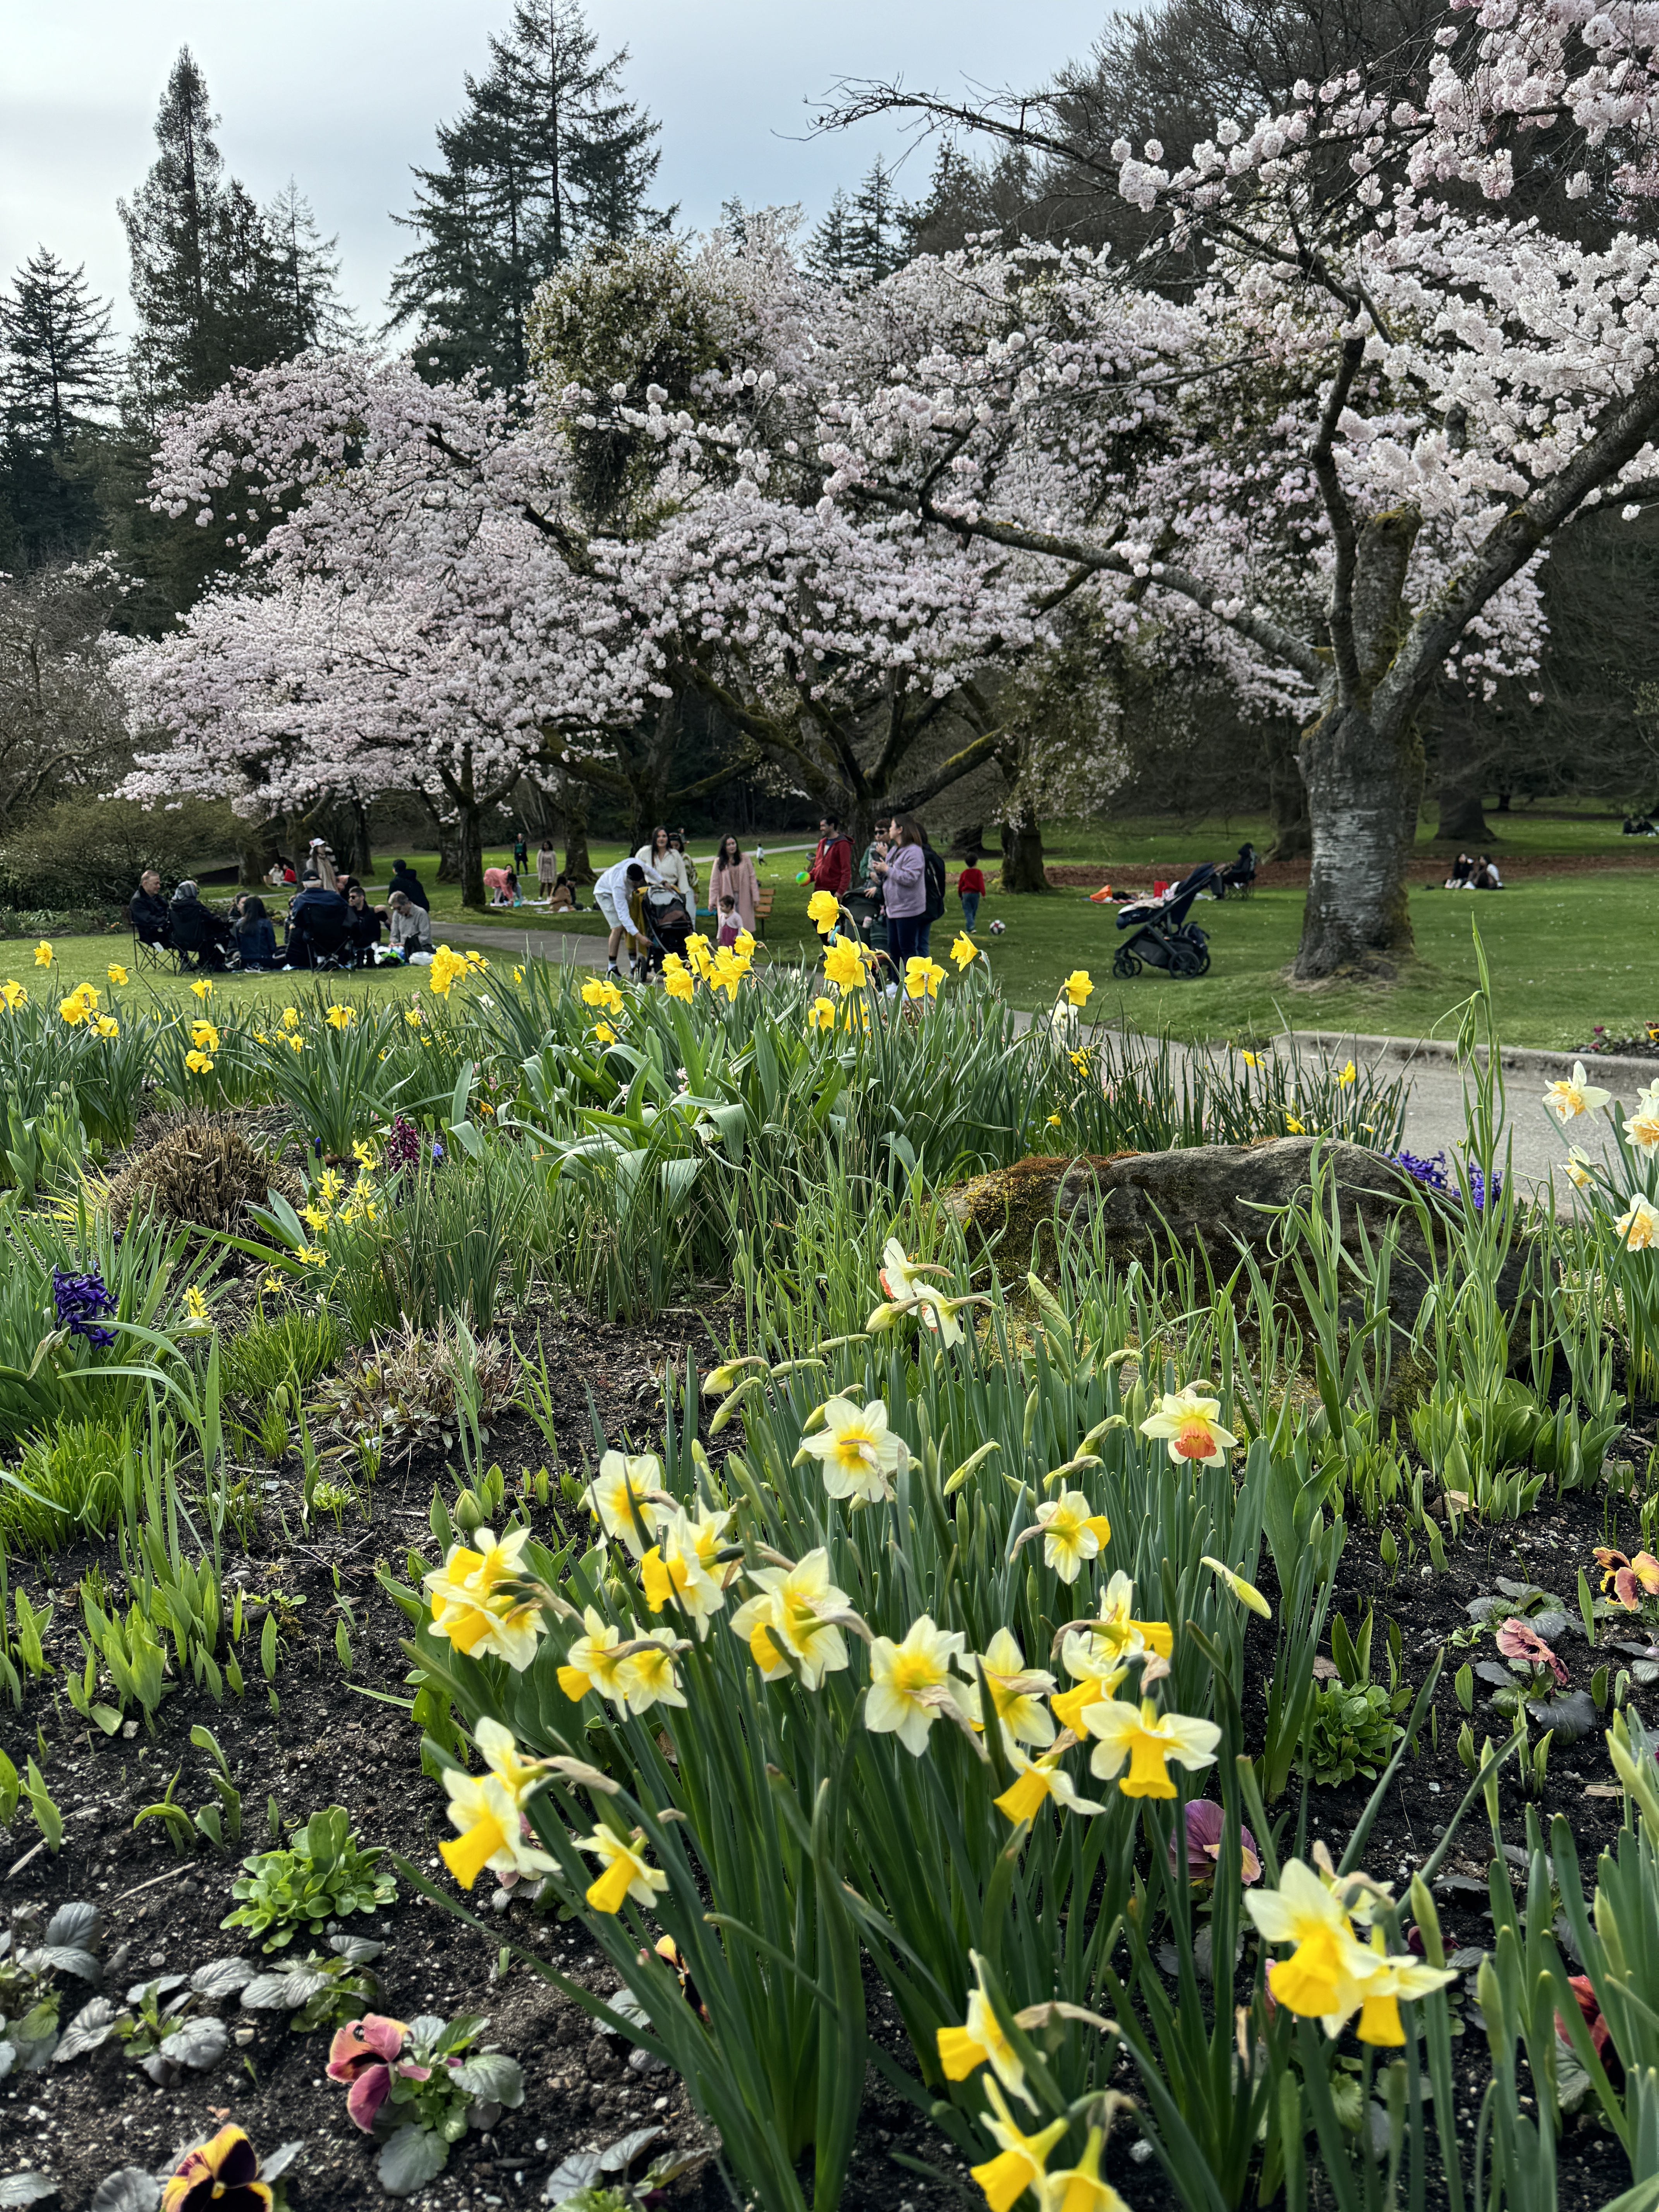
{"points": [[1566, 952]]}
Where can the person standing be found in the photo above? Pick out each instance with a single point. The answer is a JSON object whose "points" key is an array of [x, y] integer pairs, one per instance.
{"points": [[520, 855], [614, 894], [676, 839], [733, 873], [664, 868], [933, 872], [404, 879], [970, 889], [830, 868], [906, 894], [547, 868]]}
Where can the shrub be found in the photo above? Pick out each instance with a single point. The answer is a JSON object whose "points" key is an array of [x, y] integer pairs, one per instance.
{"points": [[203, 1172]]}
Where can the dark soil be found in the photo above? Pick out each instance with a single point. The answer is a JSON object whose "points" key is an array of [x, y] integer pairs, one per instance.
{"points": [[326, 1743]]}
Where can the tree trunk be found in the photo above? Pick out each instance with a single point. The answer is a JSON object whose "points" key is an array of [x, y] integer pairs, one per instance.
{"points": [[1022, 855], [1287, 794], [447, 835], [257, 851], [469, 840], [1363, 797], [1462, 816]]}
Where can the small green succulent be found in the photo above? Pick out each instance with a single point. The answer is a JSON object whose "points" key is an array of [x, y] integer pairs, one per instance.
{"points": [[1349, 1731], [322, 1876]]}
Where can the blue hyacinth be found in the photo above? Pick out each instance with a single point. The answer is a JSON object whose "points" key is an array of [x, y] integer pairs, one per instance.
{"points": [[80, 1300]]}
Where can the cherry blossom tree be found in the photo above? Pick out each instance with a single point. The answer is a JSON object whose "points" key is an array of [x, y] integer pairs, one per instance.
{"points": [[1333, 414]]}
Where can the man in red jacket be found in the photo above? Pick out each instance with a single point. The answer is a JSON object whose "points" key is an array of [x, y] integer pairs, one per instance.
{"points": [[831, 868]]}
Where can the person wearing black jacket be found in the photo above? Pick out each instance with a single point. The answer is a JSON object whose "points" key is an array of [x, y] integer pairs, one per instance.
{"points": [[933, 864], [404, 879], [363, 923], [193, 928], [256, 940], [318, 924], [152, 917]]}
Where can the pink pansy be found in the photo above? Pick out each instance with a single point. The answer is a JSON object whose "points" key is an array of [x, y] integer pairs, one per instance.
{"points": [[1516, 1640], [363, 2053]]}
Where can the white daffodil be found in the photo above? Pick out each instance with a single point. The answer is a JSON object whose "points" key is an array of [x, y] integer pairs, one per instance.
{"points": [[1017, 1693], [1187, 1420], [620, 1499], [911, 1684], [1568, 1100], [792, 1613], [860, 1453]]}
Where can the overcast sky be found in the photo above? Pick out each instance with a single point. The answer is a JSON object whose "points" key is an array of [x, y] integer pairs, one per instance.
{"points": [[343, 94]]}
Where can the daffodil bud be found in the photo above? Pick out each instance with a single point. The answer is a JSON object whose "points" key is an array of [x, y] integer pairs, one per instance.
{"points": [[1246, 1593]]}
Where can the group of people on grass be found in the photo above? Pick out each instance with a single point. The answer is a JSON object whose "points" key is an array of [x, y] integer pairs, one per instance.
{"points": [[1474, 871], [329, 922], [893, 895]]}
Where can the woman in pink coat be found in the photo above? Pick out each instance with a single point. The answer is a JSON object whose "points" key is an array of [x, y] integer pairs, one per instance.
{"points": [[735, 874]]}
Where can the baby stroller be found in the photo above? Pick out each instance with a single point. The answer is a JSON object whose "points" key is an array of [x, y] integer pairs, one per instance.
{"points": [[667, 929], [1237, 878], [1163, 938]]}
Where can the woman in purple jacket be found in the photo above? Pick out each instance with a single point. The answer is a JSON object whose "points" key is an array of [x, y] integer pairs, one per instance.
{"points": [[905, 886]]}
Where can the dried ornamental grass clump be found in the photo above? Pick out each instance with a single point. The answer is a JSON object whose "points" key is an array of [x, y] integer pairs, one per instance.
{"points": [[206, 1173]]}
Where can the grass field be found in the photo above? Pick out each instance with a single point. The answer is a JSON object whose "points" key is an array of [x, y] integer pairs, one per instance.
{"points": [[1566, 952]]}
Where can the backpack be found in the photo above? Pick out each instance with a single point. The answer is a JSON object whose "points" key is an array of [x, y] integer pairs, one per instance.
{"points": [[934, 869]]}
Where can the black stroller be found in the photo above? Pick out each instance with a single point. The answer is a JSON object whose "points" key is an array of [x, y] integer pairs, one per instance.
{"points": [[1163, 938], [1237, 878], [667, 929]]}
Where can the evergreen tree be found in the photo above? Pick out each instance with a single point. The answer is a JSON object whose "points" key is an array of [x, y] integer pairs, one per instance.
{"points": [[830, 248], [547, 157], [57, 378], [877, 233], [218, 284]]}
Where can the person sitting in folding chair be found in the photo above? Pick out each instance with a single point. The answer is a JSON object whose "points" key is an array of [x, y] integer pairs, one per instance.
{"points": [[195, 934], [151, 918], [318, 926]]}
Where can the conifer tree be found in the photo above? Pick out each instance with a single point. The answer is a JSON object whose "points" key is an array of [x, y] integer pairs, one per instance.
{"points": [[56, 379], [547, 157], [830, 248]]}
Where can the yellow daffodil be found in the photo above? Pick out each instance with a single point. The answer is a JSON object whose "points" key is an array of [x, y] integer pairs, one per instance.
{"points": [[414, 1017], [698, 952], [604, 1034], [1573, 1096], [203, 987], [1636, 1225], [1187, 1420], [963, 950], [1324, 1978], [1020, 2159], [73, 1011], [621, 1496], [593, 1663], [1078, 987], [1079, 1061], [1080, 2189], [474, 1606], [860, 1453], [744, 944], [626, 1873], [204, 1037], [195, 1304], [1016, 1692], [1039, 1781], [1347, 1075], [491, 1830], [12, 996], [823, 911], [340, 1018], [1250, 1059], [682, 1565], [911, 1684], [199, 1063], [1296, 1128], [1054, 1121], [821, 1014], [649, 1677], [1072, 1533], [922, 977], [107, 1026], [981, 2041], [793, 1616], [43, 954], [116, 972], [600, 991], [844, 966], [364, 1153], [1148, 1739], [678, 980], [1402, 1976], [1096, 1652]]}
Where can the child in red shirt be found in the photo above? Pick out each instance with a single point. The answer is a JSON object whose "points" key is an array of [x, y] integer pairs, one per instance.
{"points": [[970, 889]]}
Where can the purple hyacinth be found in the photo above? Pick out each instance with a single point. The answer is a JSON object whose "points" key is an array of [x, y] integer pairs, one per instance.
{"points": [[1432, 1174], [402, 1144], [80, 1300], [437, 1149]]}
